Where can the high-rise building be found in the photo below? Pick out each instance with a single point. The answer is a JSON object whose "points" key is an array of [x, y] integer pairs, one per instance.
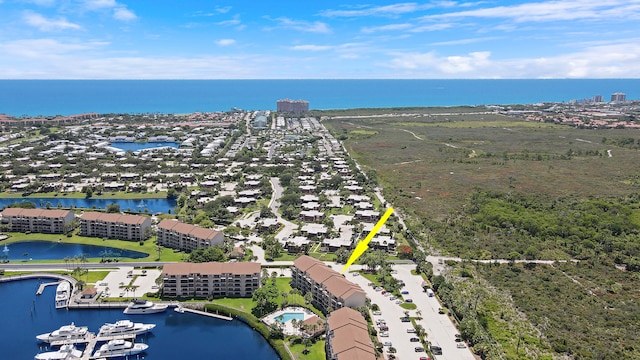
{"points": [[293, 106], [618, 97], [598, 98], [115, 226], [210, 279]]}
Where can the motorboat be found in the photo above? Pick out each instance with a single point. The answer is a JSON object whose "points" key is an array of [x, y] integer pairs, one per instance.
{"points": [[125, 327], [66, 332], [139, 306], [66, 352], [119, 347], [63, 293]]}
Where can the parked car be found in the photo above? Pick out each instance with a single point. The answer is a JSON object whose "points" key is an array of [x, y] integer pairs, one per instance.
{"points": [[411, 330], [460, 345], [377, 313], [418, 349], [408, 300], [440, 311], [405, 292], [399, 302], [414, 339], [384, 328], [393, 298], [436, 350], [377, 288], [384, 334], [387, 343], [383, 292], [424, 358], [405, 319]]}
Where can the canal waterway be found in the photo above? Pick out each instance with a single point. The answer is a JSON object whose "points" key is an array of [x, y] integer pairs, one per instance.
{"points": [[150, 206], [176, 336], [47, 250]]}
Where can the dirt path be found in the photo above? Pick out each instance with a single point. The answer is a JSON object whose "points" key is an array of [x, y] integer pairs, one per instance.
{"points": [[412, 133]]}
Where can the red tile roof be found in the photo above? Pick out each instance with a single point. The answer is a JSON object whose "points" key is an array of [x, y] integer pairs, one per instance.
{"points": [[187, 229], [114, 218], [44, 213]]}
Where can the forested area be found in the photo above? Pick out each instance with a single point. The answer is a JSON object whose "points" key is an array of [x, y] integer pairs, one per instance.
{"points": [[507, 226]]}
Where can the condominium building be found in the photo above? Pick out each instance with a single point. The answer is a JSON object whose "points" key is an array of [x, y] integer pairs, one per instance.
{"points": [[292, 106], [211, 279], [348, 336], [186, 237], [38, 220], [328, 288], [115, 226], [618, 97]]}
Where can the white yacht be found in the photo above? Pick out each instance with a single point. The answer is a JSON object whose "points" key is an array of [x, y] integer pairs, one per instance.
{"points": [[66, 352], [144, 307], [117, 348], [66, 332], [63, 292], [125, 327]]}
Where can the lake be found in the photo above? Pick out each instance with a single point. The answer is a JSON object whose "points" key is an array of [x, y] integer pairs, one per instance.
{"points": [[176, 336], [47, 250], [136, 146], [152, 206]]}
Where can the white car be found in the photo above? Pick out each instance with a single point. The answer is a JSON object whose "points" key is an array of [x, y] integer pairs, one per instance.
{"points": [[377, 313], [384, 334], [388, 343]]}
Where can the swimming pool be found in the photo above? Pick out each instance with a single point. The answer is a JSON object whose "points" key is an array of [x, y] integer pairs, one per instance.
{"points": [[284, 317]]}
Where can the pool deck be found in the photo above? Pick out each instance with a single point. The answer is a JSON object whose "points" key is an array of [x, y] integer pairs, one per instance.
{"points": [[287, 327]]}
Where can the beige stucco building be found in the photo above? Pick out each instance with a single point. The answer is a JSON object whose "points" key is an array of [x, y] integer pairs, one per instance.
{"points": [[49, 221], [211, 279], [114, 226], [186, 237]]}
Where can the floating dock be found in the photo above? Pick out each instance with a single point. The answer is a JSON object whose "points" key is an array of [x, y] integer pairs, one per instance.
{"points": [[44, 285], [91, 340], [222, 317]]}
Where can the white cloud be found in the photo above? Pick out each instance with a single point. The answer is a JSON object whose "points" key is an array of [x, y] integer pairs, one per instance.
{"points": [[390, 27], [99, 4], [444, 65], [225, 42], [617, 60], [45, 48], [44, 24], [312, 47], [555, 10], [385, 11], [300, 25], [124, 14], [41, 2], [463, 41]]}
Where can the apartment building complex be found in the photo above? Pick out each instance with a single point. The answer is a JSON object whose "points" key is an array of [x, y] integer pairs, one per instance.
{"points": [[115, 226], [211, 279], [329, 288], [186, 237], [38, 220], [348, 336], [292, 106]]}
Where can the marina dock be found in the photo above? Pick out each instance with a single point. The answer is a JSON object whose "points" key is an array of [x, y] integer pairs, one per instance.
{"points": [[193, 311], [91, 340], [44, 285]]}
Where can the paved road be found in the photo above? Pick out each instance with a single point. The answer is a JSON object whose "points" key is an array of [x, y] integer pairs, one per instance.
{"points": [[274, 204]]}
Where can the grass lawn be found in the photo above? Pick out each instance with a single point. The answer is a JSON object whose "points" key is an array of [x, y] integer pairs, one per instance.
{"points": [[316, 351], [148, 246], [283, 285]]}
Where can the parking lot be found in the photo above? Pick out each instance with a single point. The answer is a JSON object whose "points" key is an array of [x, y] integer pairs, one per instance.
{"points": [[115, 283], [440, 330]]}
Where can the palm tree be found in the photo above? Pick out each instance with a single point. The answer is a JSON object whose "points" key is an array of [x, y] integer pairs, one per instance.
{"points": [[419, 313]]}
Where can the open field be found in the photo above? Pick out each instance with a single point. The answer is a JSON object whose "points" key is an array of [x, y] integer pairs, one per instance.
{"points": [[433, 163], [489, 186]]}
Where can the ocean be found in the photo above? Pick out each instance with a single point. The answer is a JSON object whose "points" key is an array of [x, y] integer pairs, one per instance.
{"points": [[176, 336], [68, 97]]}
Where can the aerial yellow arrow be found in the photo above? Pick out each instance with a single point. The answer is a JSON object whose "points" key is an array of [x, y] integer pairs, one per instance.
{"points": [[364, 244]]}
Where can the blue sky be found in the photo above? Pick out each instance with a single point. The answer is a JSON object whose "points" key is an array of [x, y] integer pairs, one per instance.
{"points": [[196, 39]]}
